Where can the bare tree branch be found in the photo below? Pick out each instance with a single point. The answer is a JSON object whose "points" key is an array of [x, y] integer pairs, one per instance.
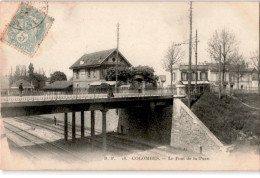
{"points": [[229, 46], [255, 59], [172, 57]]}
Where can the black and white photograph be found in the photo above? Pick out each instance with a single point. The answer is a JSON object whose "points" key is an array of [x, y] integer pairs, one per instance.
{"points": [[130, 86]]}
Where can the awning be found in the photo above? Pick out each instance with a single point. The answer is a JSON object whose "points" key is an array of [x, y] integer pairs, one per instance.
{"points": [[125, 86], [193, 82], [100, 82]]}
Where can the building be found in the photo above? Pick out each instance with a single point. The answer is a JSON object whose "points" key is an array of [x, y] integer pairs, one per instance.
{"points": [[181, 73], [27, 87], [234, 79], [161, 80], [208, 77], [64, 87], [92, 67]]}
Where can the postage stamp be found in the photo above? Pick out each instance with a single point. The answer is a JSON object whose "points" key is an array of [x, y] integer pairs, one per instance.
{"points": [[28, 27]]}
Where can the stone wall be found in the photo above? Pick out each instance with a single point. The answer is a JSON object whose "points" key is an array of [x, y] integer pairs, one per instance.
{"points": [[150, 122], [189, 133]]}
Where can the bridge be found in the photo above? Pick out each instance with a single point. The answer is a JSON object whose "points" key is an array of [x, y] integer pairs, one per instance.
{"points": [[48, 104], [150, 114], [14, 106]]}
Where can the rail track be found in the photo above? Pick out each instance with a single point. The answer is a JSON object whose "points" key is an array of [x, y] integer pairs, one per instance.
{"points": [[31, 156], [116, 143], [44, 147], [113, 144]]}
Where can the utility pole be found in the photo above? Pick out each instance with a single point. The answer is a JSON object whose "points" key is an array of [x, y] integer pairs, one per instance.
{"points": [[116, 87], [219, 74], [190, 54], [196, 56]]}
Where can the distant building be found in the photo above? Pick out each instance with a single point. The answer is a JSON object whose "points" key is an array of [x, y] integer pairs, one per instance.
{"points": [[208, 76], [92, 67], [161, 80], [245, 82], [59, 86], [48, 81], [27, 86]]}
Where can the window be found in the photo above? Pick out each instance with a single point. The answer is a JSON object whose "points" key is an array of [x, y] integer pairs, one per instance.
{"points": [[193, 76], [203, 76], [94, 73], [184, 76], [81, 62], [88, 73], [77, 74], [231, 77], [114, 60]]}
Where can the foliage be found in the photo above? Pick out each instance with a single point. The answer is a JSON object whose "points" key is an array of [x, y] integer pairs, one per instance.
{"points": [[146, 71], [37, 79], [31, 69], [58, 76], [124, 74], [228, 118], [127, 74]]}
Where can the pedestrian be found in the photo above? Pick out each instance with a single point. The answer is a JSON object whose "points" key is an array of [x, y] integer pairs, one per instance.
{"points": [[55, 121], [140, 89], [109, 91], [21, 89]]}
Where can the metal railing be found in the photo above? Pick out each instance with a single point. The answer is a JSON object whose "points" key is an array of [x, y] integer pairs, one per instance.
{"points": [[48, 96]]}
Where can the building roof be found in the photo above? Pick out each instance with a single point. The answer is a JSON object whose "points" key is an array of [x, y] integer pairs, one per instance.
{"points": [[199, 67], [95, 59], [58, 85], [214, 67], [25, 83]]}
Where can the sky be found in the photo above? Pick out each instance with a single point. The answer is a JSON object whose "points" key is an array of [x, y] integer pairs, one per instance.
{"points": [[147, 29]]}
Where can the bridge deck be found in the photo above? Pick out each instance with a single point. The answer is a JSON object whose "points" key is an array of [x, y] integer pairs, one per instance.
{"points": [[36, 105]]}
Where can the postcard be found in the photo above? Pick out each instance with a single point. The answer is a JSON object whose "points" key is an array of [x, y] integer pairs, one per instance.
{"points": [[130, 86]]}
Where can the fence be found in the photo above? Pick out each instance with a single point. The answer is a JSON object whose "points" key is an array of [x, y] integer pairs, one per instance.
{"points": [[230, 91], [48, 96]]}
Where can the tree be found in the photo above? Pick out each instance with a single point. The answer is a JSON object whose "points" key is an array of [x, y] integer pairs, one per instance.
{"points": [[255, 59], [172, 57], [127, 74], [256, 63], [58, 76], [146, 71], [31, 69], [225, 41], [124, 74], [238, 67], [17, 72], [37, 79]]}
